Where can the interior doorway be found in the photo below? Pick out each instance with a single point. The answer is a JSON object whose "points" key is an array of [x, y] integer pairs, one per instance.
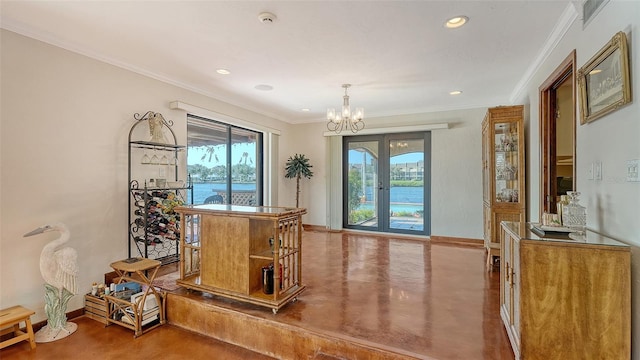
{"points": [[558, 134]]}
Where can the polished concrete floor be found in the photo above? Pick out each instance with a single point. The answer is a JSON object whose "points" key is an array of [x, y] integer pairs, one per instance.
{"points": [[434, 300], [431, 300], [92, 341]]}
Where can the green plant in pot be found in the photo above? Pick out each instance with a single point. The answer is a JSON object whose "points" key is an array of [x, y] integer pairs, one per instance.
{"points": [[296, 167]]}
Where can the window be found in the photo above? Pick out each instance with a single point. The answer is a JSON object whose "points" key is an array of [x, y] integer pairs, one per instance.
{"points": [[224, 162]]}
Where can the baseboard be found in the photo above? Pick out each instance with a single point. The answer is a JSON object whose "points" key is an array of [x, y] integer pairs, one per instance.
{"points": [[40, 324], [320, 228], [70, 316], [457, 241], [317, 228]]}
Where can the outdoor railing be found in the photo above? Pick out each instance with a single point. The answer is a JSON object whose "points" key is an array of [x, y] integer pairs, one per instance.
{"points": [[240, 197]]}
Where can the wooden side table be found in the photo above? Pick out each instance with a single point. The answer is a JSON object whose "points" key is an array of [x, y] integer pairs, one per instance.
{"points": [[12, 317], [133, 315]]}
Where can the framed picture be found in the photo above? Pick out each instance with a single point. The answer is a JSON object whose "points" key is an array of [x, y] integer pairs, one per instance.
{"points": [[604, 80]]}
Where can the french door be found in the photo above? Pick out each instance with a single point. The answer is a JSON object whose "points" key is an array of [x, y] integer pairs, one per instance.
{"points": [[386, 182]]}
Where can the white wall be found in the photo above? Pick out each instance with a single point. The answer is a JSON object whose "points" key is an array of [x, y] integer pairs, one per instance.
{"points": [[613, 139], [612, 203], [456, 168], [65, 120], [306, 139]]}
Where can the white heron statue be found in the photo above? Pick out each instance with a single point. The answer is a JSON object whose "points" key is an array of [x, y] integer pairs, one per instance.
{"points": [[59, 269]]}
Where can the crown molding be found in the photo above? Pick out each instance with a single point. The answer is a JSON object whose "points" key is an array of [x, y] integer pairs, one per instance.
{"points": [[569, 15], [47, 38], [392, 129]]}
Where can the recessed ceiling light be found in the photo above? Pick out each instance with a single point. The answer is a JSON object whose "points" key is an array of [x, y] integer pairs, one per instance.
{"points": [[223, 71], [456, 22], [305, 110], [455, 92], [264, 87]]}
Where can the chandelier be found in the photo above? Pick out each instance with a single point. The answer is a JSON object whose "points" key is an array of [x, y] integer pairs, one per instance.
{"points": [[345, 119]]}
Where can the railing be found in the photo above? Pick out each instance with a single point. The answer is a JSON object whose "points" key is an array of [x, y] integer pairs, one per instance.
{"points": [[240, 197]]}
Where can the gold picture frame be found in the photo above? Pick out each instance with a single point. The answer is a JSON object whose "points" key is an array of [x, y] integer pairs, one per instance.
{"points": [[604, 80]]}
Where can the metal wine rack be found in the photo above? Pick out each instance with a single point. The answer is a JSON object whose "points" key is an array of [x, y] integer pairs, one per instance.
{"points": [[153, 227]]}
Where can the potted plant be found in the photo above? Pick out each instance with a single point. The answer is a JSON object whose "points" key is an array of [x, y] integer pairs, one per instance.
{"points": [[296, 167]]}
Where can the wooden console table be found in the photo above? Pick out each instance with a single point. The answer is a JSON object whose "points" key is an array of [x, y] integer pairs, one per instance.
{"points": [[132, 314], [224, 250], [565, 297]]}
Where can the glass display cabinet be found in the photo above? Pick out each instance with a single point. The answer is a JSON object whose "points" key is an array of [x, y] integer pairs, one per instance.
{"points": [[503, 173]]}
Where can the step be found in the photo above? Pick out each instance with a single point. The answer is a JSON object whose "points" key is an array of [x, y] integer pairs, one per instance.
{"points": [[261, 331]]}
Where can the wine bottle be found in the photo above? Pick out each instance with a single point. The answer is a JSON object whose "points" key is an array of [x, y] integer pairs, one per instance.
{"points": [[138, 194], [160, 194], [147, 242]]}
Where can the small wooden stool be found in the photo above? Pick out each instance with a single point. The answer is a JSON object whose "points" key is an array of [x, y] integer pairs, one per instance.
{"points": [[12, 317]]}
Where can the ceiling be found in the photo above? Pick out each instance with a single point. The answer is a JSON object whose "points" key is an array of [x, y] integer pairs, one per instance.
{"points": [[398, 56]]}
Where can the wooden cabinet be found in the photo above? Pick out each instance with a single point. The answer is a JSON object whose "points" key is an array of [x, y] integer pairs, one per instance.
{"points": [[503, 173], [225, 249], [565, 299], [510, 287]]}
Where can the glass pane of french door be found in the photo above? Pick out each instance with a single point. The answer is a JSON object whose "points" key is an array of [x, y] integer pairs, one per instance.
{"points": [[406, 184], [361, 196]]}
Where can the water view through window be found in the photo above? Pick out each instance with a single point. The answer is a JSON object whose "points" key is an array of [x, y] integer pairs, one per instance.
{"points": [[224, 162]]}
